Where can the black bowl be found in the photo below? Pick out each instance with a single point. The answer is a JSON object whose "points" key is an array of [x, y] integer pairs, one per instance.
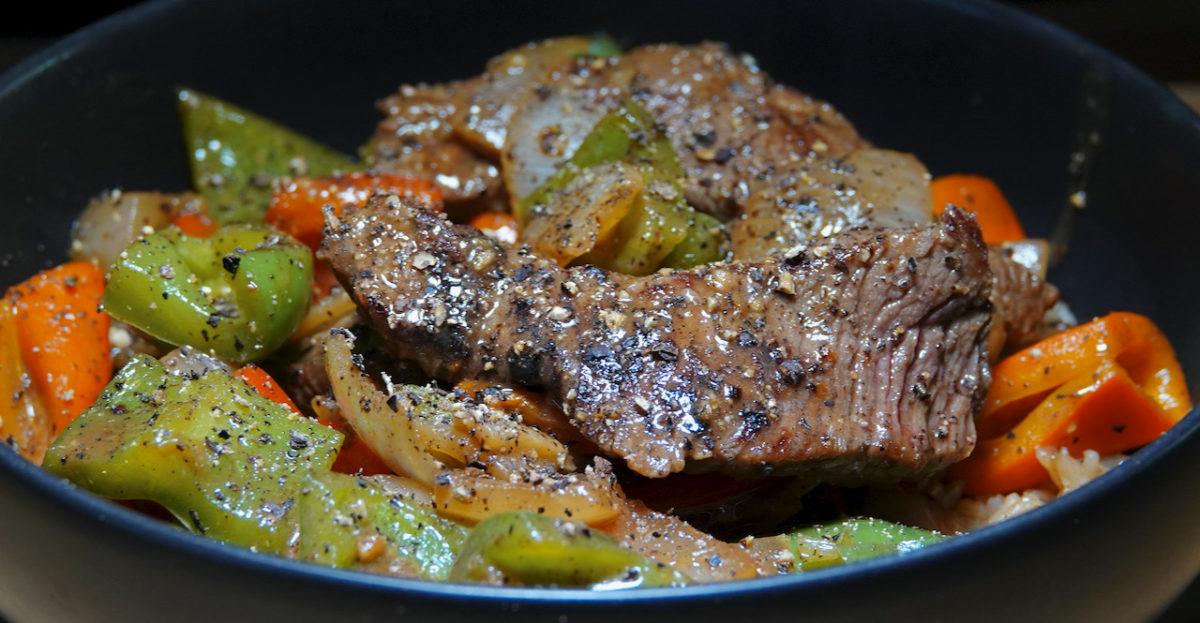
{"points": [[966, 86]]}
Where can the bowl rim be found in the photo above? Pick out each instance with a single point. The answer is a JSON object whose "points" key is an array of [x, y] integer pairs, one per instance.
{"points": [[171, 537]]}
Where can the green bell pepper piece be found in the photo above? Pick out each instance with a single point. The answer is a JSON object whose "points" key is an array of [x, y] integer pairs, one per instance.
{"points": [[602, 45], [240, 293], [236, 156], [660, 220], [535, 550], [243, 469], [851, 540], [706, 241], [342, 517], [225, 461]]}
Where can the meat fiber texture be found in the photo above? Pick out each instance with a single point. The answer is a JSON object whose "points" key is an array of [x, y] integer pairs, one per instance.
{"points": [[858, 358], [1019, 302], [779, 166]]}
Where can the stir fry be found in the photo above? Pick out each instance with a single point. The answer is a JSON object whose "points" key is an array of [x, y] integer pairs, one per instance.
{"points": [[593, 318]]}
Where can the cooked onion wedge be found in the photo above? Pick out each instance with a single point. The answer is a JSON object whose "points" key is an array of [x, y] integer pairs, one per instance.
{"points": [[586, 211], [472, 494], [545, 132], [112, 221], [669, 539], [511, 77], [418, 431]]}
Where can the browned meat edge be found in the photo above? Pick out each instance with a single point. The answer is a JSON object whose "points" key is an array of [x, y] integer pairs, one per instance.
{"points": [[860, 359]]}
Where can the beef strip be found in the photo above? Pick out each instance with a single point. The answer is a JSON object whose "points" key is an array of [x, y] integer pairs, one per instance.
{"points": [[454, 132], [790, 168], [858, 359], [417, 138], [1020, 299], [753, 149], [814, 197]]}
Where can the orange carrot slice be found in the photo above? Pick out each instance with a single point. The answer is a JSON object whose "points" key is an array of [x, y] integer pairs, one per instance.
{"points": [[1103, 411], [982, 197], [260, 381], [64, 337], [198, 224], [500, 226], [297, 208], [24, 424], [1131, 340]]}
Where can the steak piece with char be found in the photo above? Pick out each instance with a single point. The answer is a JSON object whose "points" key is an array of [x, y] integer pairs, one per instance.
{"points": [[861, 358], [1020, 299], [417, 138], [780, 166]]}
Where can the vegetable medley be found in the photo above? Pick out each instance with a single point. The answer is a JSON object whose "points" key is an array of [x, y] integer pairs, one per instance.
{"points": [[198, 356]]}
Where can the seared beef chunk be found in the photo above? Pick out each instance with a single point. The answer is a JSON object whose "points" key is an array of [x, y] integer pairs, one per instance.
{"points": [[1020, 299], [860, 358], [417, 138], [856, 357], [816, 197], [787, 167]]}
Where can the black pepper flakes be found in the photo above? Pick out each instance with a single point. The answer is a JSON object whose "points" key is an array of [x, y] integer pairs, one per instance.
{"points": [[705, 139], [522, 273], [297, 441], [196, 521], [230, 263], [791, 371]]}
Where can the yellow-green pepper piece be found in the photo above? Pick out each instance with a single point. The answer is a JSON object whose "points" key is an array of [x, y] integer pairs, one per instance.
{"points": [[660, 220], [601, 45], [529, 549], [225, 461], [239, 294], [840, 542], [857, 539], [236, 156], [706, 241], [352, 522]]}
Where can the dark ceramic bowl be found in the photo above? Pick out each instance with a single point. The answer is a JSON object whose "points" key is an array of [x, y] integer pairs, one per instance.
{"points": [[965, 86]]}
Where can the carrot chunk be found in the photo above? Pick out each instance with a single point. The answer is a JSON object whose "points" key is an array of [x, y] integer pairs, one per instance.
{"points": [[64, 337], [260, 381], [1131, 340], [982, 197], [24, 424], [198, 224], [1103, 411], [500, 226], [297, 208]]}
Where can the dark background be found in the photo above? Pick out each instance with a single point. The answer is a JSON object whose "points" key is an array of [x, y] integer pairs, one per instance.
{"points": [[1162, 37]]}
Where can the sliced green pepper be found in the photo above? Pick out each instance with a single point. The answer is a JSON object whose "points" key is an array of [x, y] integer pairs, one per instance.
{"points": [[705, 242], [660, 220], [535, 550], [236, 156], [860, 539], [602, 45], [848, 540], [353, 523], [240, 468], [240, 293], [225, 461]]}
